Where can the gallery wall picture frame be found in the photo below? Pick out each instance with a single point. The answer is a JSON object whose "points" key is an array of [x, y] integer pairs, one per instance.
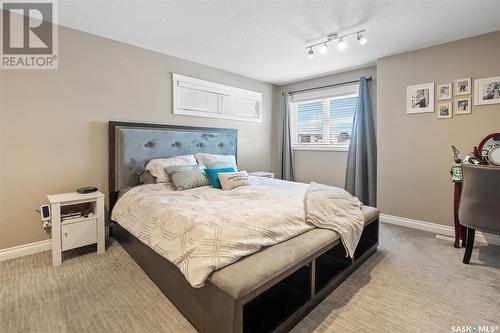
{"points": [[420, 98], [444, 110], [487, 91], [463, 86], [463, 106], [444, 91]]}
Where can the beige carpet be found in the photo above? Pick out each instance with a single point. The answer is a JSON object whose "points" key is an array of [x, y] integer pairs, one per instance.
{"points": [[415, 283]]}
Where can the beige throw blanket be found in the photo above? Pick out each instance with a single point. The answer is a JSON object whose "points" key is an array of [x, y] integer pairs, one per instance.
{"points": [[335, 209]]}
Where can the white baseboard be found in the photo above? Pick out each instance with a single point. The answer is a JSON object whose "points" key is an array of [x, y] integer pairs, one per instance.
{"points": [[31, 248], [435, 228], [45, 245], [24, 250]]}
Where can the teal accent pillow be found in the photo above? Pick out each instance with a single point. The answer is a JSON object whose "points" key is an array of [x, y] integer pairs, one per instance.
{"points": [[219, 165], [213, 175], [185, 177]]}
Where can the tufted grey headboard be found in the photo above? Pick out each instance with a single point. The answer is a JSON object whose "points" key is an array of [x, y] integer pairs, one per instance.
{"points": [[132, 145]]}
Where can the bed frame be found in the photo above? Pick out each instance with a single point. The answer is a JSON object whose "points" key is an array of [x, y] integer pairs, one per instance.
{"points": [[275, 306]]}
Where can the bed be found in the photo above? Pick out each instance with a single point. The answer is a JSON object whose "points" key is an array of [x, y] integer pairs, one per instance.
{"points": [[269, 290]]}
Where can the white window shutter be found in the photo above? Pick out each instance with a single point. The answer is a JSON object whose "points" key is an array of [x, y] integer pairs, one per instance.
{"points": [[198, 100], [207, 99], [326, 122]]}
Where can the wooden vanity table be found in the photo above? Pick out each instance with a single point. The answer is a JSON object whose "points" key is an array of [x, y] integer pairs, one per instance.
{"points": [[460, 231]]}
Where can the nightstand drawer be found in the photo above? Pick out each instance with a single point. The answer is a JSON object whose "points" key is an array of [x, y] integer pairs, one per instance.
{"points": [[78, 234]]}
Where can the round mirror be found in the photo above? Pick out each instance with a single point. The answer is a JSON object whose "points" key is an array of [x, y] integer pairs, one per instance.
{"points": [[494, 156], [489, 149]]}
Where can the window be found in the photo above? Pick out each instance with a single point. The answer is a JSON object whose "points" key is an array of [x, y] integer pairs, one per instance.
{"points": [[323, 119], [201, 98]]}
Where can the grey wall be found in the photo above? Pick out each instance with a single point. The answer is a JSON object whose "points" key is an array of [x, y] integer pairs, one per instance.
{"points": [[414, 154], [54, 122], [327, 167]]}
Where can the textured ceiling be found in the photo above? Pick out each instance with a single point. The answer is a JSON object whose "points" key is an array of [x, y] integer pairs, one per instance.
{"points": [[265, 39]]}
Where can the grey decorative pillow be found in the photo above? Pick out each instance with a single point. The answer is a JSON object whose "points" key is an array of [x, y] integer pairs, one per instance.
{"points": [[185, 177], [230, 180], [219, 165], [145, 177], [157, 166]]}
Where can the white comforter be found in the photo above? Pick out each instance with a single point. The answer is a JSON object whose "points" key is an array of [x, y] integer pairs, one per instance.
{"points": [[204, 229]]}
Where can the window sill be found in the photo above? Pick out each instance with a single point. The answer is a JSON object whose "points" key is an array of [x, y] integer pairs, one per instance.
{"points": [[321, 148]]}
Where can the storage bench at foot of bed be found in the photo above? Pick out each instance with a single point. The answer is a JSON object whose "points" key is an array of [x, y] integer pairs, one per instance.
{"points": [[283, 305]]}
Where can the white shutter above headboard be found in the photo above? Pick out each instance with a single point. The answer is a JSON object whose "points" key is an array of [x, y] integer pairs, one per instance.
{"points": [[195, 97]]}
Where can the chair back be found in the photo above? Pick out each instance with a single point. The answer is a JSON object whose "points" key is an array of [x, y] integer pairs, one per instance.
{"points": [[480, 201]]}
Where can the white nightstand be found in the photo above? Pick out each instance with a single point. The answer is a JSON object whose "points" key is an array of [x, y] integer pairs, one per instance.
{"points": [[262, 174], [80, 231]]}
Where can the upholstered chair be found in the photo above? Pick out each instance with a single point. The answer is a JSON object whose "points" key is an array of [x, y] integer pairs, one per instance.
{"points": [[480, 203]]}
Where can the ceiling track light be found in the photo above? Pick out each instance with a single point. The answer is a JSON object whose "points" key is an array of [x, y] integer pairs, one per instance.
{"points": [[361, 39], [342, 45], [323, 48], [310, 53]]}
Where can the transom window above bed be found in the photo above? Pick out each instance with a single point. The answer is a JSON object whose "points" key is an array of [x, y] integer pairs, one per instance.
{"points": [[322, 119]]}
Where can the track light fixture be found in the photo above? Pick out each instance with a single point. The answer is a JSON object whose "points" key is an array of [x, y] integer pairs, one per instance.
{"points": [[323, 48], [341, 43], [310, 53], [361, 39]]}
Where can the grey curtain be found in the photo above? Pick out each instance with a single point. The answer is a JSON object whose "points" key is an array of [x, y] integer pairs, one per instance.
{"points": [[286, 146], [361, 173]]}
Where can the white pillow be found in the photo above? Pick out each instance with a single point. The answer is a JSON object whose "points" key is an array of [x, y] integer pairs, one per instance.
{"points": [[204, 158], [157, 166], [230, 180]]}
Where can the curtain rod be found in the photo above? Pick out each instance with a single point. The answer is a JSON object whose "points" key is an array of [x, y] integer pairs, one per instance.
{"points": [[328, 86]]}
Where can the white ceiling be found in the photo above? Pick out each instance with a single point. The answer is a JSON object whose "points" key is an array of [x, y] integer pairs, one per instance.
{"points": [[265, 39]]}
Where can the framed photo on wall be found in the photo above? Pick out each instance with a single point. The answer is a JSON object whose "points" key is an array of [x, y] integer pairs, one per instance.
{"points": [[444, 91], [462, 105], [420, 98], [463, 86], [487, 91], [444, 110]]}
